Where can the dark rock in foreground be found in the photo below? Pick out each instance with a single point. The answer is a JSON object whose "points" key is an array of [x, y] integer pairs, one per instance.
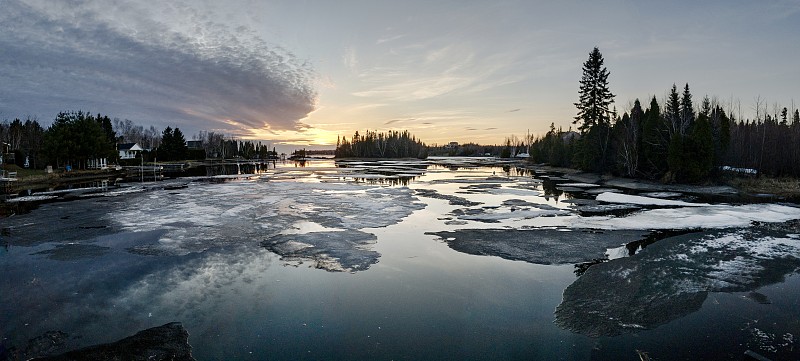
{"points": [[540, 246], [167, 342]]}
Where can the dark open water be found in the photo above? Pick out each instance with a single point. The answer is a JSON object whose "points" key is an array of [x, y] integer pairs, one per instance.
{"points": [[420, 300]]}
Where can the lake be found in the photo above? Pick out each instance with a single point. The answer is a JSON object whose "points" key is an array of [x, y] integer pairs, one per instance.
{"points": [[447, 258]]}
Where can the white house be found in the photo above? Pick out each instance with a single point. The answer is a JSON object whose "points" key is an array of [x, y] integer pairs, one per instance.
{"points": [[97, 163], [128, 150]]}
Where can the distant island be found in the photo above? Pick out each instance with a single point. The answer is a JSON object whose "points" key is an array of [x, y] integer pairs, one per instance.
{"points": [[392, 144]]}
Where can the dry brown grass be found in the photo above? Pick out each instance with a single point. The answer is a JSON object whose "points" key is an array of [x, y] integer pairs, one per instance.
{"points": [[785, 187]]}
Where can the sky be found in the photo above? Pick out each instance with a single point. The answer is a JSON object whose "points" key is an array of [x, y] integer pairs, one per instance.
{"points": [[302, 73]]}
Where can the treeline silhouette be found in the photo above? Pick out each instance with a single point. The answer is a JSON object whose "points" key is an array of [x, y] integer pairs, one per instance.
{"points": [[682, 142], [73, 139], [77, 138], [648, 143], [393, 144], [771, 146]]}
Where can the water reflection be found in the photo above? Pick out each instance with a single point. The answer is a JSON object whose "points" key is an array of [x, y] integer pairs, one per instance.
{"points": [[550, 190], [391, 181], [234, 262], [211, 168]]}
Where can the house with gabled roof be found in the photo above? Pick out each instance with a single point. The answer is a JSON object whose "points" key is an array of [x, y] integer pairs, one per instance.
{"points": [[128, 150]]}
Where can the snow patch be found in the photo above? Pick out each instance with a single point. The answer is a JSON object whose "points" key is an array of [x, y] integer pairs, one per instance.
{"points": [[610, 197], [720, 216]]}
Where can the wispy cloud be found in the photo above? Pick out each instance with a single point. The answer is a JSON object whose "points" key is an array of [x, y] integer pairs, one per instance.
{"points": [[430, 70], [389, 39], [207, 77], [350, 59]]}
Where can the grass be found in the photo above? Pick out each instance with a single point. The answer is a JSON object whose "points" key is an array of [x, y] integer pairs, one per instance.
{"points": [[23, 172], [784, 187], [27, 177]]}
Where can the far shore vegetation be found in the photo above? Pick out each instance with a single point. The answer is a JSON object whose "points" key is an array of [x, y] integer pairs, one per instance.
{"points": [[393, 144], [674, 139]]}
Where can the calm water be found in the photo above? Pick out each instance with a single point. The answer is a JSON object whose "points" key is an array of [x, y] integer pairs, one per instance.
{"points": [[420, 300]]}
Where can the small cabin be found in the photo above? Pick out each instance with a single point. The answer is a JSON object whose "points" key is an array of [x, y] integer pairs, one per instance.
{"points": [[128, 150]]}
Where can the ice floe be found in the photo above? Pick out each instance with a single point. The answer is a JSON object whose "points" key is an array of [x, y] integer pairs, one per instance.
{"points": [[236, 212], [672, 277], [610, 197], [540, 246], [343, 251], [714, 216], [579, 185]]}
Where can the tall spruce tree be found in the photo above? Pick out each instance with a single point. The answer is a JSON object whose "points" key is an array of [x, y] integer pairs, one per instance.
{"points": [[672, 113], [687, 116], [594, 116], [595, 97], [655, 142]]}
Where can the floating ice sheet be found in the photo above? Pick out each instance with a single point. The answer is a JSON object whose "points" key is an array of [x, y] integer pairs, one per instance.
{"points": [[540, 246], [672, 278], [716, 216], [340, 251], [644, 201]]}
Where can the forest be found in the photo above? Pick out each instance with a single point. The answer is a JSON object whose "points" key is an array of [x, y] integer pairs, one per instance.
{"points": [[393, 144], [72, 139], [76, 137], [683, 142]]}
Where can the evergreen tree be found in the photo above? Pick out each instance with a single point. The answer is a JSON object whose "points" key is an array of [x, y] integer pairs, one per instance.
{"points": [[173, 145], [784, 116], [74, 138], [700, 151], [672, 112], [381, 145], [655, 142], [165, 149], [705, 108], [594, 115], [687, 115], [33, 136], [721, 133], [179, 145], [594, 95], [692, 149]]}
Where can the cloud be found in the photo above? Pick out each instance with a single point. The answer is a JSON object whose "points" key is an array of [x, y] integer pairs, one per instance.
{"points": [[434, 68], [350, 59], [514, 110], [204, 76], [389, 39]]}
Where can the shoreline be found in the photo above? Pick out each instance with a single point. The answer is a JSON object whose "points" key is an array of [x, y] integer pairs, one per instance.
{"points": [[761, 188]]}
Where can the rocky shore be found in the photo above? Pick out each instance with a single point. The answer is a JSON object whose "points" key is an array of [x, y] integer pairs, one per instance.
{"points": [[169, 342]]}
